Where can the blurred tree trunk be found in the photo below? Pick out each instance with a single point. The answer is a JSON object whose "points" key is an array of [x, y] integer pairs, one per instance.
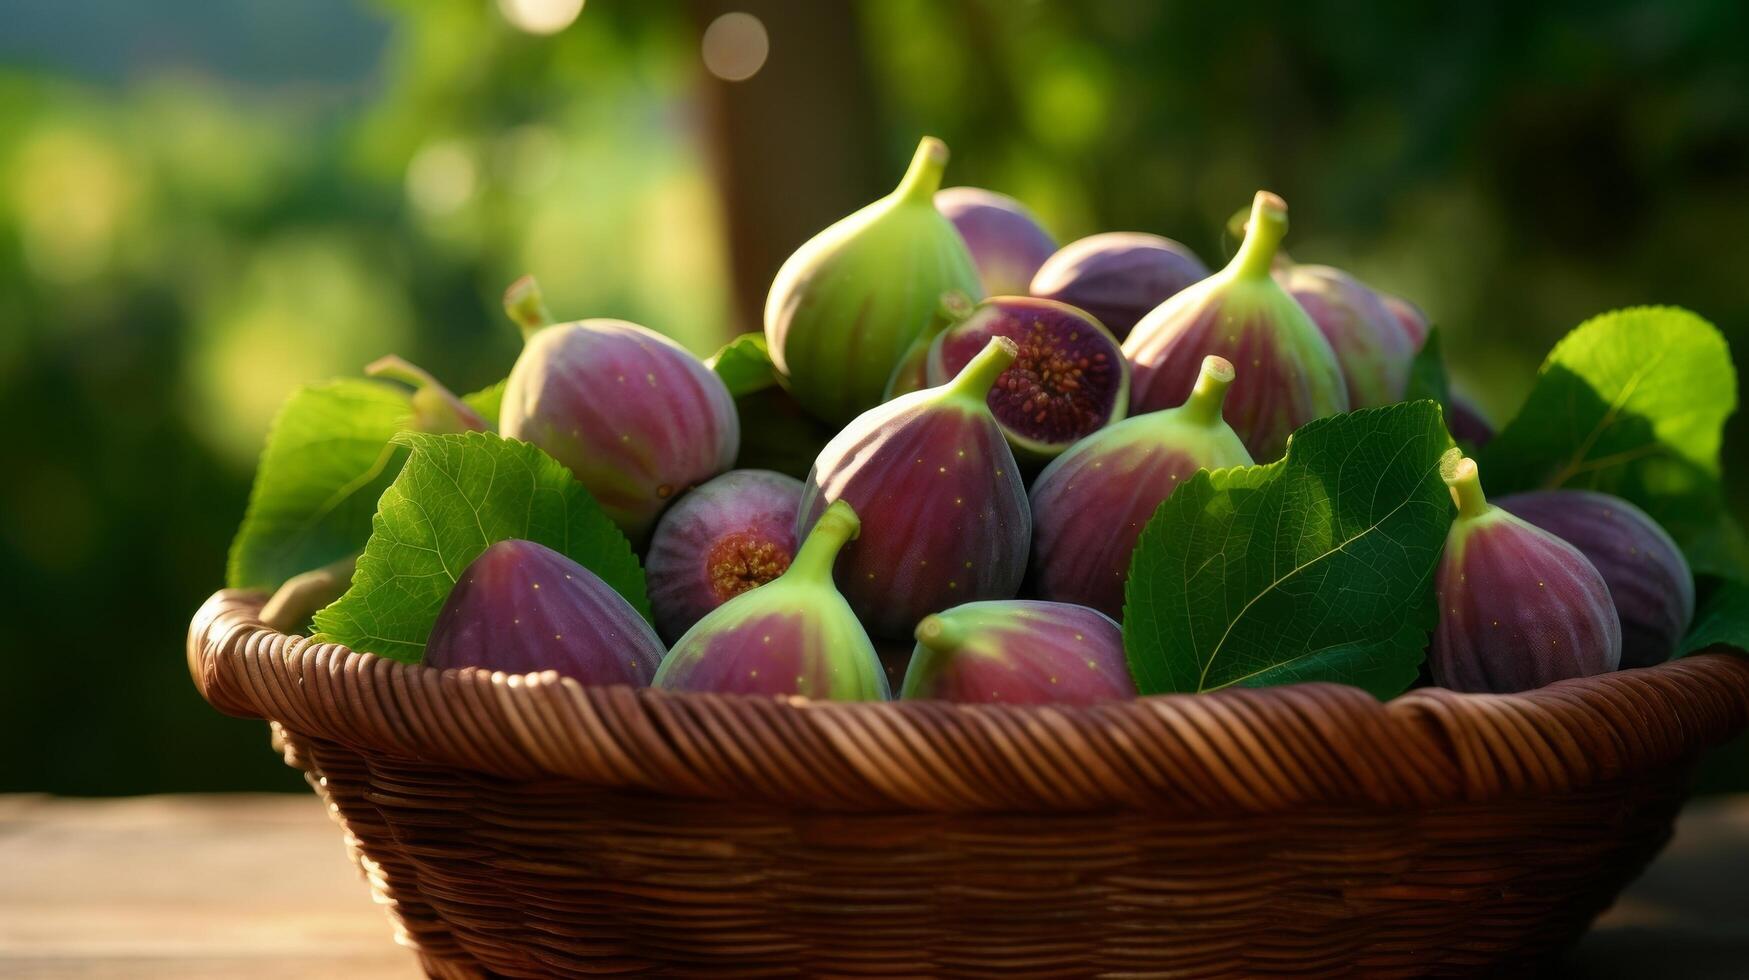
{"points": [[796, 146]]}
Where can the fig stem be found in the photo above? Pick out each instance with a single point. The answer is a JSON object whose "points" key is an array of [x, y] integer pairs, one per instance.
{"points": [[292, 605], [980, 373], [1460, 474], [436, 409], [837, 527], [1205, 401], [1263, 235], [923, 178], [940, 635], [526, 307]]}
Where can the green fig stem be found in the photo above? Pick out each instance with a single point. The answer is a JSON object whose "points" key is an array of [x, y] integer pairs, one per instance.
{"points": [[292, 605], [526, 307], [1263, 235], [837, 527], [1204, 404], [923, 178], [1460, 474], [436, 409], [980, 373], [940, 635]]}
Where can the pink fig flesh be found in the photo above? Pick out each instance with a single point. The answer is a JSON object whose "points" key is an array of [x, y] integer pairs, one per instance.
{"points": [[522, 607], [732, 534], [1019, 652], [1118, 276], [1006, 241]]}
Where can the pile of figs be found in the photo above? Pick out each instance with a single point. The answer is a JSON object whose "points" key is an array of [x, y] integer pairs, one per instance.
{"points": [[1008, 416]]}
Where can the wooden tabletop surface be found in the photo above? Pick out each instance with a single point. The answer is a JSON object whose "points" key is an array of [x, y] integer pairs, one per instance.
{"points": [[259, 886]]}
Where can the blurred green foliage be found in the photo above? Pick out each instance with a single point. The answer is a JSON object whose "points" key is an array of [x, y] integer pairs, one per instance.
{"points": [[191, 227]]}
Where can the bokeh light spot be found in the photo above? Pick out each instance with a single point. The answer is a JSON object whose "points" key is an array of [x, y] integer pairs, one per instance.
{"points": [[540, 16], [441, 178], [735, 47]]}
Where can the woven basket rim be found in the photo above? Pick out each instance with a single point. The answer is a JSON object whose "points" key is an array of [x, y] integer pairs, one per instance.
{"points": [[1235, 750]]}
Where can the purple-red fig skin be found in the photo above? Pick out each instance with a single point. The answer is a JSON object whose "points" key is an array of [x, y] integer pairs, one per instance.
{"points": [[521, 607], [1465, 421], [1370, 342], [726, 664], [1648, 578], [1006, 241], [1052, 653], [1409, 317], [1519, 609], [736, 532], [1118, 276]]}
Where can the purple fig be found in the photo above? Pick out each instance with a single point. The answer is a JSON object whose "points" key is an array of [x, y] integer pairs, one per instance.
{"points": [[912, 372], [435, 408], [1649, 580], [734, 533], [1019, 652], [1118, 276], [1413, 322], [1370, 344], [1006, 241], [1288, 373], [1090, 504], [522, 607], [793, 635], [1518, 607], [636, 418], [1466, 422], [847, 305], [1070, 379], [935, 481]]}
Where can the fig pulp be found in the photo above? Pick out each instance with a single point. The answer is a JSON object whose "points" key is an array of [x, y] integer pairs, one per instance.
{"points": [[848, 304], [1370, 343], [634, 416], [1518, 607], [1090, 504], [1288, 375], [1118, 276], [793, 635], [734, 533], [1005, 240], [1069, 380], [939, 490], [1649, 580], [522, 607], [1019, 652]]}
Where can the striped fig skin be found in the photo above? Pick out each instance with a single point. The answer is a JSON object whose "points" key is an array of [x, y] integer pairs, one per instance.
{"points": [[1090, 504], [1069, 380], [793, 636], [1518, 607], [941, 496], [1409, 317], [732, 534], [1288, 375], [522, 607], [1649, 580], [1019, 652], [1118, 276], [636, 418], [1370, 343], [1006, 242]]}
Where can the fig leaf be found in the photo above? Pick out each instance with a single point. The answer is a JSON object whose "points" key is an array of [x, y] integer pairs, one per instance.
{"points": [[1722, 619], [744, 364]]}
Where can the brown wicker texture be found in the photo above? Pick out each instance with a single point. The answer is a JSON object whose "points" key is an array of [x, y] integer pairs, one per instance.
{"points": [[531, 827]]}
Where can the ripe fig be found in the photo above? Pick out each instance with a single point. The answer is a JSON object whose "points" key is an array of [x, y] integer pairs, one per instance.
{"points": [[634, 415], [1518, 607], [1118, 276], [1090, 504], [1289, 375], [522, 607], [1409, 317], [1370, 343], [734, 533], [1006, 242], [435, 408], [793, 635], [932, 476], [850, 301], [1648, 578], [1466, 422], [912, 372], [1069, 380], [1019, 652]]}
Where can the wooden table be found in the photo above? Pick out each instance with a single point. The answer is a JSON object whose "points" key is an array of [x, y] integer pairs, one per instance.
{"points": [[259, 886]]}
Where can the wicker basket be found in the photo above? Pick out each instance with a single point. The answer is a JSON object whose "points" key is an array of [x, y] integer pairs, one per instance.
{"points": [[532, 827]]}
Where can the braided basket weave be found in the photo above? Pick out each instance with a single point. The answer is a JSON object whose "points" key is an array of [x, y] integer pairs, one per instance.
{"points": [[532, 827]]}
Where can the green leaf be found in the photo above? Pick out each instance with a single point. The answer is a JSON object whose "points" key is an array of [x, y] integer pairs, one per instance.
{"points": [[1631, 403], [488, 402], [1318, 567], [327, 460], [744, 364], [1722, 617], [456, 496], [1427, 377]]}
